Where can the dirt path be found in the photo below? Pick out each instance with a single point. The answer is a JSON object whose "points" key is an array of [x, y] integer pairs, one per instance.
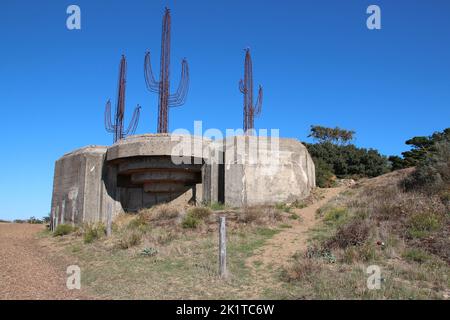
{"points": [[284, 244], [279, 249], [26, 269]]}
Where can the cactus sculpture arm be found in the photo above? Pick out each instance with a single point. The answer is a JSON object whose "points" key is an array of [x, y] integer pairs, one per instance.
{"points": [[108, 124], [179, 97], [259, 101], [152, 84], [134, 121]]}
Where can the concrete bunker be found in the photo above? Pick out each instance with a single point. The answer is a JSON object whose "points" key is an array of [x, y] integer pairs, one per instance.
{"points": [[144, 170]]}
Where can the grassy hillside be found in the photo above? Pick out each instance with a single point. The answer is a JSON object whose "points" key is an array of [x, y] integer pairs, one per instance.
{"points": [[377, 222]]}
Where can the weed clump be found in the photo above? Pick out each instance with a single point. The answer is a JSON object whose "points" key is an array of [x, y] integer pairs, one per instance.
{"points": [[422, 224], [129, 238], [93, 232], [353, 233], [195, 216], [63, 229], [190, 222], [300, 269], [416, 255]]}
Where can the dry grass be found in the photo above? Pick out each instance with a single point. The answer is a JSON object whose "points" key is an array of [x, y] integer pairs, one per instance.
{"points": [[261, 215]]}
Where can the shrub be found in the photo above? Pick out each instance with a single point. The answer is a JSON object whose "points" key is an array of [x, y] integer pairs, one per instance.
{"points": [[260, 215], [335, 214], [325, 177], [353, 233], [190, 222], [165, 212], [432, 174], [129, 238], [346, 161], [422, 223], [195, 216], [62, 230], [199, 212], [139, 222], [300, 269], [93, 232], [314, 252]]}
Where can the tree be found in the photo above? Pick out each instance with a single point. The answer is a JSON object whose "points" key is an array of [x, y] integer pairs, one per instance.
{"points": [[332, 135], [421, 147]]}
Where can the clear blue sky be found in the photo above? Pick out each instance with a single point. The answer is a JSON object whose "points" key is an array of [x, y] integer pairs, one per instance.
{"points": [[317, 61]]}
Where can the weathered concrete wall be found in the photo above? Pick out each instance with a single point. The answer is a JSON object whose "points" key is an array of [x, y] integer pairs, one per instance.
{"points": [[264, 170], [79, 193]]}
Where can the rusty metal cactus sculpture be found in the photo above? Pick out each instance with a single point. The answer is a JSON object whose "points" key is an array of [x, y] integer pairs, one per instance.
{"points": [[162, 87], [117, 127]]}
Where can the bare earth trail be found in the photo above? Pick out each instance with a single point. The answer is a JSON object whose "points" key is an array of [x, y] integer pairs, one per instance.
{"points": [[278, 250], [26, 268]]}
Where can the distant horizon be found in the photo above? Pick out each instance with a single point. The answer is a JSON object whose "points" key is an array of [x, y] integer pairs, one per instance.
{"points": [[317, 61]]}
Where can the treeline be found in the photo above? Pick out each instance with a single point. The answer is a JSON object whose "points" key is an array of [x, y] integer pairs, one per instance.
{"points": [[336, 157]]}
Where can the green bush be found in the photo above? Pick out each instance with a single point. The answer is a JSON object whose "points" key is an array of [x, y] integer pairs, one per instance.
{"points": [[93, 232], [199, 212], [62, 230], [325, 177], [190, 222], [335, 214], [139, 223], [195, 216], [422, 223], [346, 161], [432, 174]]}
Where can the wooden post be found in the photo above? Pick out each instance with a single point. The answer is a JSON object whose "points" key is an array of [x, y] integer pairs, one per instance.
{"points": [[222, 248], [109, 221]]}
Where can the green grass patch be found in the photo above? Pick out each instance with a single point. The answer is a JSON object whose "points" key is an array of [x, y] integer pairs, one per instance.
{"points": [[416, 255], [93, 232], [63, 229], [422, 224], [215, 206]]}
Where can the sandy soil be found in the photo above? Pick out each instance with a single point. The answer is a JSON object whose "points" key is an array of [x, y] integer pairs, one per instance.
{"points": [[26, 268]]}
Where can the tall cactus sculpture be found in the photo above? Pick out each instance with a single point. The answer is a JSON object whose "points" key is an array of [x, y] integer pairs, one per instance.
{"points": [[246, 87], [117, 127], [162, 87]]}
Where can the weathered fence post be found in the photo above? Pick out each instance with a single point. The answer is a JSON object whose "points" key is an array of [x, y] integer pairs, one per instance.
{"points": [[109, 220], [222, 248]]}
